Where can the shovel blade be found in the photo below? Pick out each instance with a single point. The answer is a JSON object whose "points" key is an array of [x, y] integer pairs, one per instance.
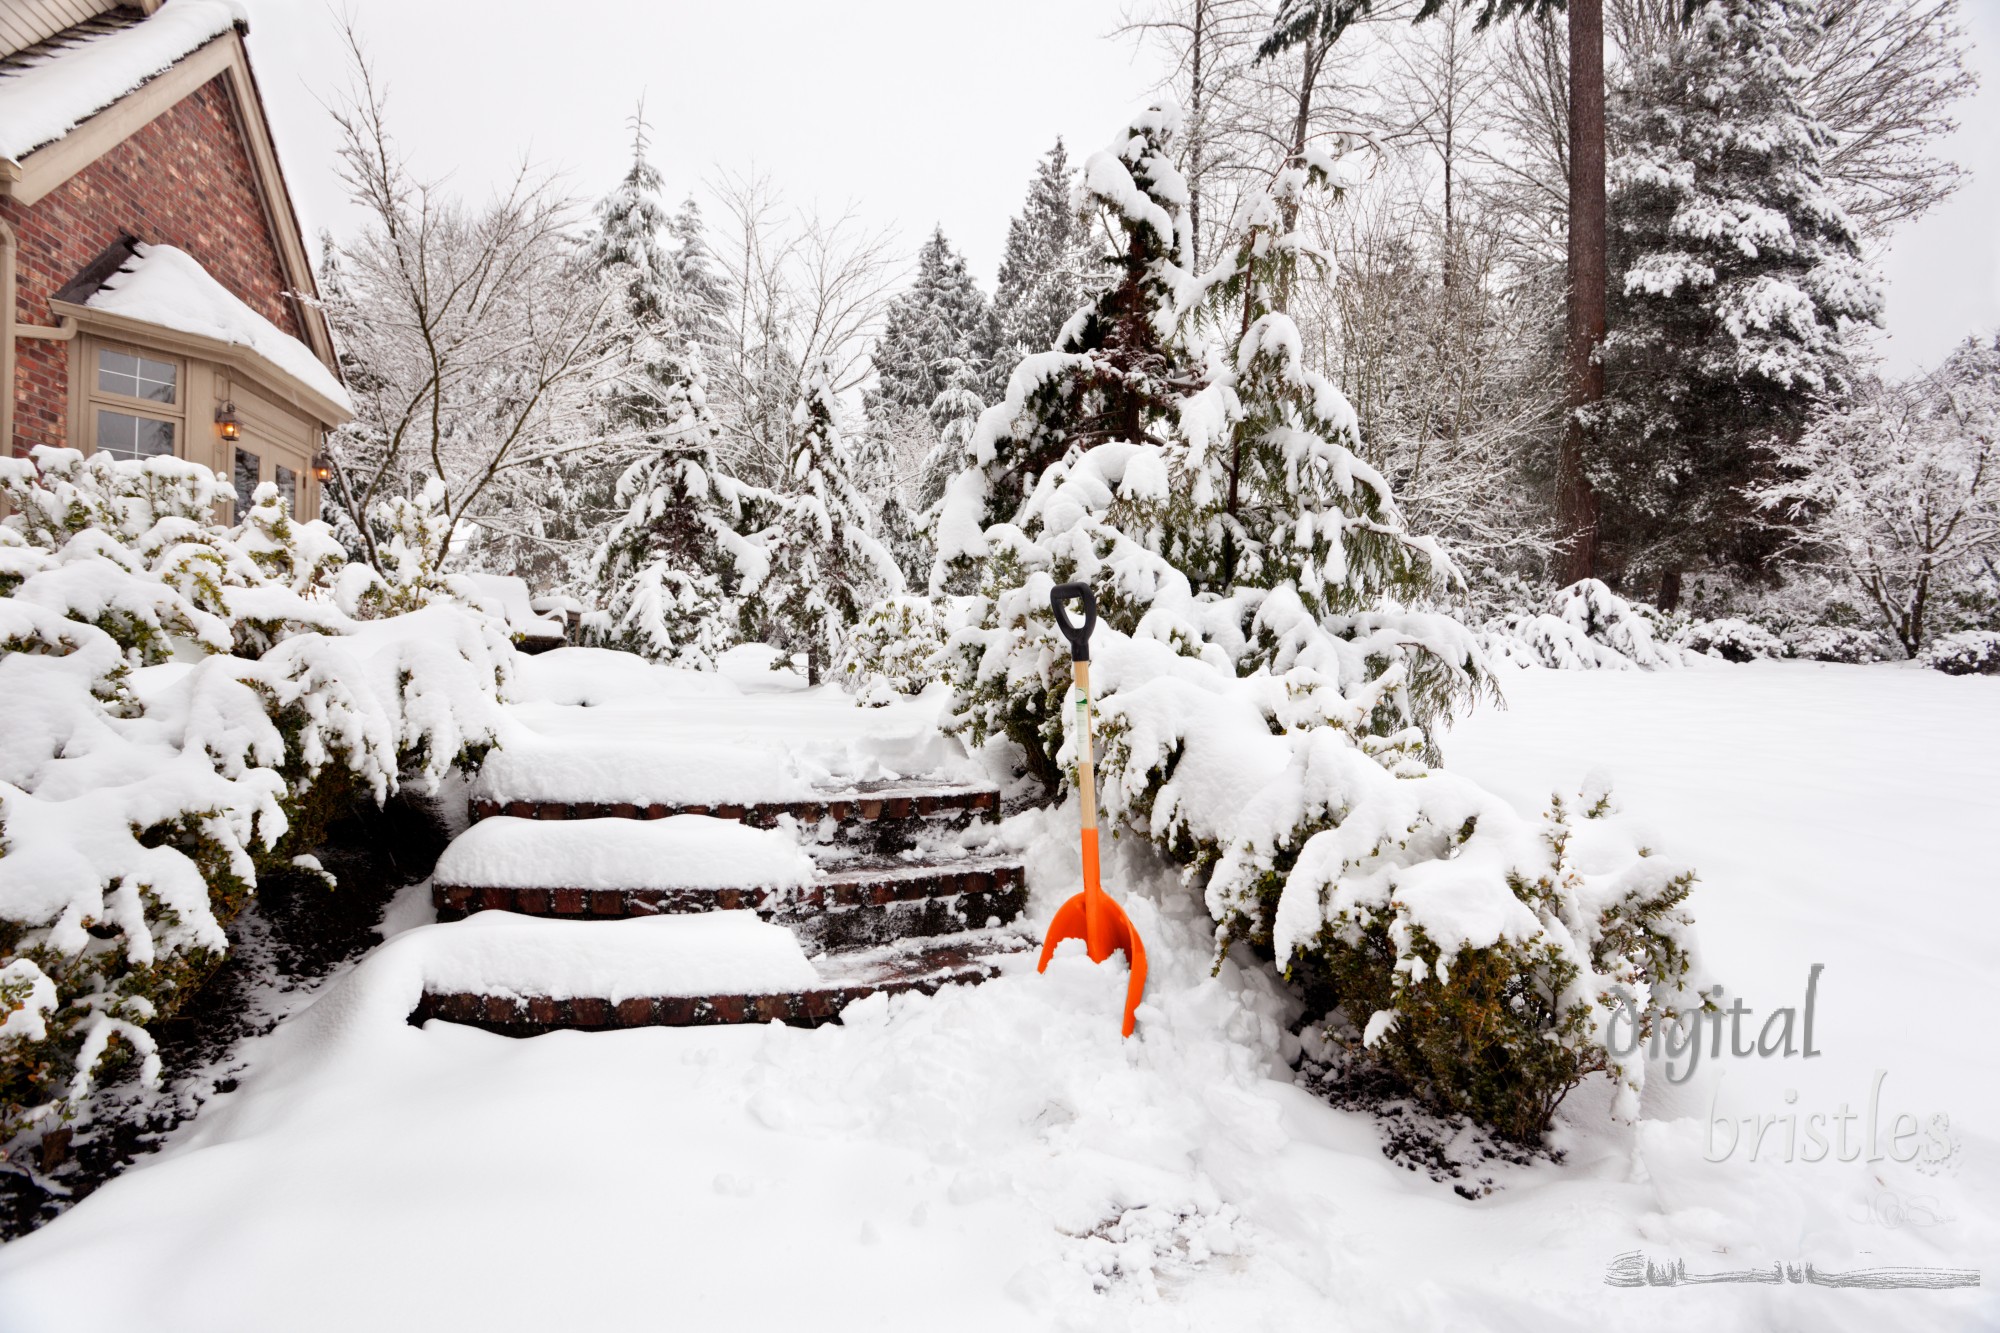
{"points": [[1104, 929]]}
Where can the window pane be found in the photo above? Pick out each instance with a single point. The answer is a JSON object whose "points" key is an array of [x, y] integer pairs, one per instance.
{"points": [[118, 373], [136, 376], [247, 466], [288, 486], [156, 379], [123, 435]]}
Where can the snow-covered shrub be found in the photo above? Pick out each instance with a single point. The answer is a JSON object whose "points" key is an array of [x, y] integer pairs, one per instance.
{"points": [[899, 648], [1731, 639], [1587, 627], [410, 534], [1966, 653], [1469, 948], [1267, 698], [181, 707], [1836, 643]]}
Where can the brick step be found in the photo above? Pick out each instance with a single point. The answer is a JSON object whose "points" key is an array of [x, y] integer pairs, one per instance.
{"points": [[845, 978], [868, 904], [866, 803]]}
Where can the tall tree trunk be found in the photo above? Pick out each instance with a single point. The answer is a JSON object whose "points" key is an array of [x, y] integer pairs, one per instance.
{"points": [[1197, 123], [1670, 590], [1576, 504]]}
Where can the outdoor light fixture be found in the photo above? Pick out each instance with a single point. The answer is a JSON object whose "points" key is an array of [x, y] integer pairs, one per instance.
{"points": [[225, 420], [322, 468]]}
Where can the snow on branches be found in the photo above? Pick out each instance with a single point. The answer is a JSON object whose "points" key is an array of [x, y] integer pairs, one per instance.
{"points": [[826, 565], [180, 704], [1268, 698]]}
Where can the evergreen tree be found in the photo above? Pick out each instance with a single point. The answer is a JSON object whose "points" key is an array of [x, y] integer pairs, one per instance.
{"points": [[936, 336], [825, 564], [1736, 278], [703, 288], [569, 500], [942, 318], [676, 566], [1176, 452], [880, 476], [1274, 490], [631, 239], [1109, 379], [1049, 268], [954, 415]]}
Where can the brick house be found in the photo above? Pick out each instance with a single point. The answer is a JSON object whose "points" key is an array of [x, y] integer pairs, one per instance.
{"points": [[155, 294]]}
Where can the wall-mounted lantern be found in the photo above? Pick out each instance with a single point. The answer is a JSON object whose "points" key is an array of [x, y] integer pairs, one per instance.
{"points": [[225, 421], [322, 468]]}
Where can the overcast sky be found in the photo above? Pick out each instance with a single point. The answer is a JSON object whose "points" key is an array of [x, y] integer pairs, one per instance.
{"points": [[913, 111]]}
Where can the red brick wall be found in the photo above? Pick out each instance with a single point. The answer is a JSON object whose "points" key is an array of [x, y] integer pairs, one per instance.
{"points": [[183, 180]]}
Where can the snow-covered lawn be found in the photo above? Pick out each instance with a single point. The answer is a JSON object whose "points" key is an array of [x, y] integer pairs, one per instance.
{"points": [[996, 1158]]}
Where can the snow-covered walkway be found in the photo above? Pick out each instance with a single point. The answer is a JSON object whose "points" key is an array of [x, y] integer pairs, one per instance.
{"points": [[995, 1158]]}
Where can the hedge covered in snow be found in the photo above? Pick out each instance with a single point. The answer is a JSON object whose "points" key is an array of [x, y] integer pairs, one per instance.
{"points": [[182, 706], [1268, 684], [1967, 653], [1586, 627]]}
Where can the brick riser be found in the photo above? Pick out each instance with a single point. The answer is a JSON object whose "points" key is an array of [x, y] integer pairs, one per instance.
{"points": [[846, 910], [765, 814], [924, 973]]}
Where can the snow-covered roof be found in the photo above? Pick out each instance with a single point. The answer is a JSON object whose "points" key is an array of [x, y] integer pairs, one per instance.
{"points": [[45, 99], [165, 286]]}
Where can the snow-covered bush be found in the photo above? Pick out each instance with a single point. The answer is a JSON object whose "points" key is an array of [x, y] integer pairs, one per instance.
{"points": [[1836, 643], [1469, 948], [900, 647], [181, 706], [1731, 639], [409, 538], [1966, 653], [1587, 627], [1267, 698]]}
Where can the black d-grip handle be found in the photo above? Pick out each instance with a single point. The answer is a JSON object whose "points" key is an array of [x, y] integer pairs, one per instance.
{"points": [[1078, 636]]}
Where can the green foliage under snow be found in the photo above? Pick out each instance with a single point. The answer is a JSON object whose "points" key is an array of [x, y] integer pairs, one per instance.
{"points": [[183, 706]]}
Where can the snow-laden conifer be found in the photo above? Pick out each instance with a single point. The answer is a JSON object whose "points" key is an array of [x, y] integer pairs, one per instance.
{"points": [[1736, 279], [1268, 694], [826, 565], [1049, 267], [943, 318], [677, 562]]}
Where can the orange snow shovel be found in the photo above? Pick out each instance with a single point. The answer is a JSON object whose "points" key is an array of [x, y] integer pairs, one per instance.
{"points": [[1091, 916]]}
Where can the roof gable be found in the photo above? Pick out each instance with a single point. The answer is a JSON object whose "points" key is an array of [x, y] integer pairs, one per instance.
{"points": [[129, 56], [47, 90], [26, 23]]}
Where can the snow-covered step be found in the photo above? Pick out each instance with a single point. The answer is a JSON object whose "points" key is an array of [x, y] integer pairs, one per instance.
{"points": [[862, 803], [865, 905], [607, 868], [677, 854], [511, 1002], [517, 959]]}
